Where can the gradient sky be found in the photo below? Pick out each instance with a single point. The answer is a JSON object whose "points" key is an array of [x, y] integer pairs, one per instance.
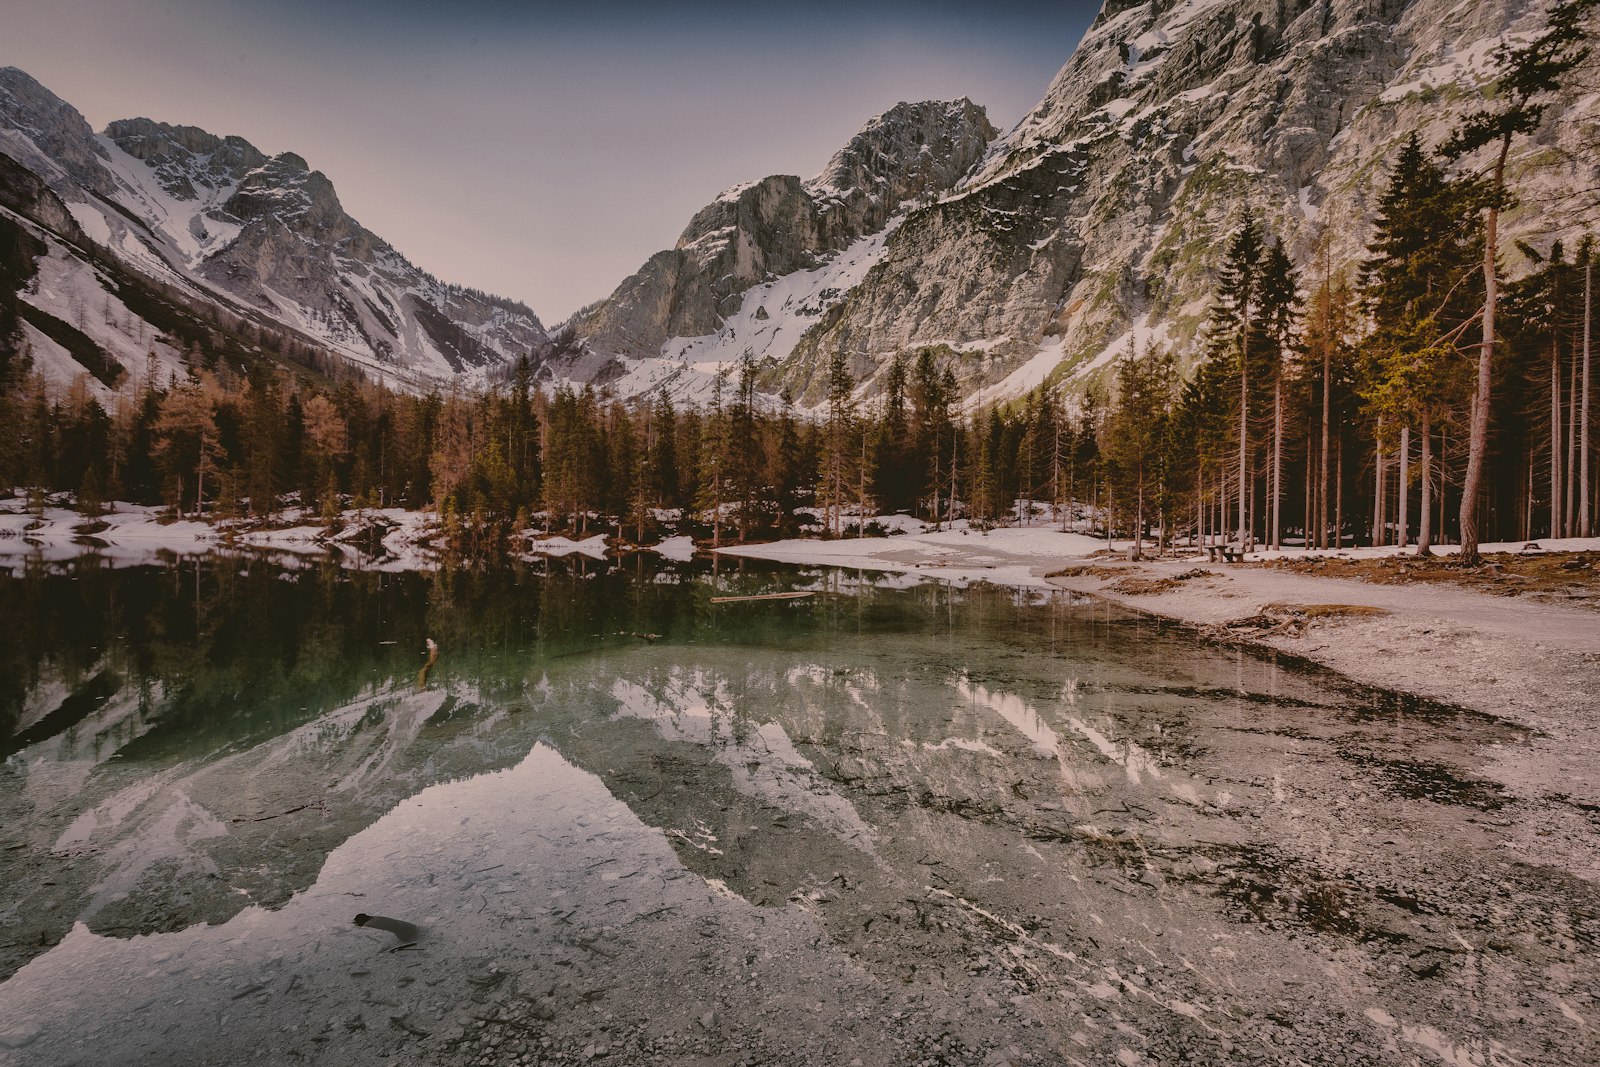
{"points": [[537, 151]]}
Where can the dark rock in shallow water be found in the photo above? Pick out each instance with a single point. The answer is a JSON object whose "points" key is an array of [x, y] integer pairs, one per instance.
{"points": [[398, 927]]}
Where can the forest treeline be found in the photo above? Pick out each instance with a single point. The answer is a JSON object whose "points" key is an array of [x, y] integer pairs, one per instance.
{"points": [[1418, 397], [1354, 391]]}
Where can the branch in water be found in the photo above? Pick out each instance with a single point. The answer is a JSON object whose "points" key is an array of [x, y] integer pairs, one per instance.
{"points": [[433, 657]]}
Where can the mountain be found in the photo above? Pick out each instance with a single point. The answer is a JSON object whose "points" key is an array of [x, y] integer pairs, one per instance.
{"points": [[1094, 228], [1090, 230], [764, 260], [221, 227]]}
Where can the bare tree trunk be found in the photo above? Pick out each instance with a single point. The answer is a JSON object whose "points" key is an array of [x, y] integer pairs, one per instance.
{"points": [[1478, 442], [1441, 534], [1555, 442], [1138, 522], [1425, 532], [1583, 409], [1322, 488], [1569, 522], [1338, 496], [1277, 463], [1305, 541], [1527, 507], [1055, 474], [861, 513], [1244, 423], [1403, 492], [1250, 544], [1378, 487], [955, 467]]}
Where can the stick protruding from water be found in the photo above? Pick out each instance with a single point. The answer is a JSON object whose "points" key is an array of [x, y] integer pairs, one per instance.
{"points": [[433, 657]]}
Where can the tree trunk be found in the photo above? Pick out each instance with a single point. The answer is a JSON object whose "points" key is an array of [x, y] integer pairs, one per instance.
{"points": [[1277, 463], [1478, 442], [1527, 506], [1569, 520], [1441, 534], [1425, 531], [1555, 442], [956, 445], [1338, 496], [1322, 488], [1138, 523], [1305, 541], [1378, 487], [1403, 492], [1244, 423], [1583, 408]]}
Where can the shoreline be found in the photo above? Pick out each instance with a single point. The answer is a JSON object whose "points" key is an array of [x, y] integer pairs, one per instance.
{"points": [[1532, 664], [1525, 661], [1514, 657]]}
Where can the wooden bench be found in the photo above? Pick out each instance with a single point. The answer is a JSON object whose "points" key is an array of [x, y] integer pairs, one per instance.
{"points": [[1223, 553]]}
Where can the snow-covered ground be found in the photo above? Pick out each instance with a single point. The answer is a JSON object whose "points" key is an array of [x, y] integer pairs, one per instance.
{"points": [[769, 322], [131, 533], [1017, 556], [679, 549], [593, 547], [136, 534]]}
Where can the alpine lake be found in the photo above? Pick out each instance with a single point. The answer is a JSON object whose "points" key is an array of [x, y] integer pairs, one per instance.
{"points": [[892, 822]]}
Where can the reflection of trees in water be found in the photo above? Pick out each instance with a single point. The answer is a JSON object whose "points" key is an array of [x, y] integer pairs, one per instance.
{"points": [[283, 703]]}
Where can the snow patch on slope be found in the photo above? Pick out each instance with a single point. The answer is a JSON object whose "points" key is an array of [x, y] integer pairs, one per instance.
{"points": [[770, 321]]}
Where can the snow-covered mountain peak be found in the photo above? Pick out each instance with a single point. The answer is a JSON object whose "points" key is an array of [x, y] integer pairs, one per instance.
{"points": [[263, 236], [186, 157], [765, 259], [909, 150]]}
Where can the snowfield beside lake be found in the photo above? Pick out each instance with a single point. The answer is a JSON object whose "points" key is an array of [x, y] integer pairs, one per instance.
{"points": [[957, 553]]}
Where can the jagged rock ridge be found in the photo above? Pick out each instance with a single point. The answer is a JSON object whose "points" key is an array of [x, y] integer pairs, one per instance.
{"points": [[1095, 226], [817, 234], [264, 236]]}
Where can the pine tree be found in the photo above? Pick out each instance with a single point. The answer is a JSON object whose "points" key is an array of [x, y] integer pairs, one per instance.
{"points": [[1134, 430], [1416, 287], [185, 440], [714, 455], [665, 480], [838, 445], [1234, 333], [891, 448], [1280, 301], [1527, 73]]}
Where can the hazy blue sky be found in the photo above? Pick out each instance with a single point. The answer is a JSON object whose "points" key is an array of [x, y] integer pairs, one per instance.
{"points": [[537, 151]]}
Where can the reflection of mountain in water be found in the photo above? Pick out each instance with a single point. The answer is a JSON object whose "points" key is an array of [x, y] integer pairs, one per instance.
{"points": [[186, 742], [786, 754]]}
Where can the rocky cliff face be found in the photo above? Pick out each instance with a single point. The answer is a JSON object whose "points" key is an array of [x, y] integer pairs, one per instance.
{"points": [[691, 304], [264, 236], [1092, 229], [1096, 225]]}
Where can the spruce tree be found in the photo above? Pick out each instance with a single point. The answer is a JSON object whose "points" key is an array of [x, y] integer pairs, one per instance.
{"points": [[1234, 334], [1280, 301], [1526, 74]]}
